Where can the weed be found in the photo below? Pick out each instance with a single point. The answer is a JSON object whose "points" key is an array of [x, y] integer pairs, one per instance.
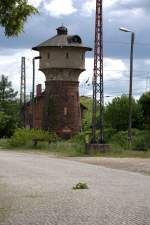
{"points": [[80, 186]]}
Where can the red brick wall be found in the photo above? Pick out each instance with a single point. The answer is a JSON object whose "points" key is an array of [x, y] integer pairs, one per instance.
{"points": [[62, 107], [58, 110]]}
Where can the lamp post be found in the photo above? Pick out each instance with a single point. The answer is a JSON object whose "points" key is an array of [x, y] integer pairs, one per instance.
{"points": [[33, 88], [131, 81]]}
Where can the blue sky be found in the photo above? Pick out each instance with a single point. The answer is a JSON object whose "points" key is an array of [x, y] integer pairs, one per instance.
{"points": [[79, 17]]}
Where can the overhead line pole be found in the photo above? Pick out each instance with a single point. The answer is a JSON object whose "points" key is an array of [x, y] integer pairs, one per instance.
{"points": [[23, 89], [98, 82]]}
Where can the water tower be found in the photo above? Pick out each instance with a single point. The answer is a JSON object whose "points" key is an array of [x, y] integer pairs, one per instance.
{"points": [[62, 61]]}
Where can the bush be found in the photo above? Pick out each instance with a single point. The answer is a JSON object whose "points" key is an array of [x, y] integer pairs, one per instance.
{"points": [[22, 137], [120, 138], [80, 186], [81, 138], [140, 140], [7, 125], [108, 133]]}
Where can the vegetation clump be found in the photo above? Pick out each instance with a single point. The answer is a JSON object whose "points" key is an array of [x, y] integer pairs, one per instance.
{"points": [[80, 186], [25, 137]]}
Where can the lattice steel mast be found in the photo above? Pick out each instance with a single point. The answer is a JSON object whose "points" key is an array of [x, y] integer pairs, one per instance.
{"points": [[98, 85], [23, 90], [23, 81]]}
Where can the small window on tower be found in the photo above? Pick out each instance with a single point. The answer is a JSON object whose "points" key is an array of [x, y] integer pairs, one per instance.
{"points": [[65, 111], [67, 55], [48, 55]]}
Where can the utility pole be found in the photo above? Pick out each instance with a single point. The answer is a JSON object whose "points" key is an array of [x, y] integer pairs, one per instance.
{"points": [[98, 82], [130, 89], [23, 81], [33, 90], [23, 89], [130, 84]]}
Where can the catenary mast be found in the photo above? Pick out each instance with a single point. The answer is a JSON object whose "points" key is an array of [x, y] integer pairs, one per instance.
{"points": [[98, 84]]}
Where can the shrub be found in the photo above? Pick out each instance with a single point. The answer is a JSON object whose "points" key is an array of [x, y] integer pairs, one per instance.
{"points": [[80, 186], [108, 133], [120, 138], [81, 137], [140, 139], [22, 137]]}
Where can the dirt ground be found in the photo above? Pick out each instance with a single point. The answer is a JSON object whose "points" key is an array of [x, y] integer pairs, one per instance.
{"points": [[129, 164]]}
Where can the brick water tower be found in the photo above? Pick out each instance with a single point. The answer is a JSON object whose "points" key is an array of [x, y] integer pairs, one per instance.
{"points": [[62, 61]]}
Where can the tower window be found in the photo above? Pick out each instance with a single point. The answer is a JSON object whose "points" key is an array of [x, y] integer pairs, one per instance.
{"points": [[48, 55], [67, 55], [65, 111]]}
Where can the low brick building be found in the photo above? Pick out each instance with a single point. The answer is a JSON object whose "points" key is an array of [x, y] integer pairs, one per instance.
{"points": [[57, 109]]}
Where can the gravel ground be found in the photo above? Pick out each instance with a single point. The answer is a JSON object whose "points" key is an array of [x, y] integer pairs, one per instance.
{"points": [[130, 164], [37, 190]]}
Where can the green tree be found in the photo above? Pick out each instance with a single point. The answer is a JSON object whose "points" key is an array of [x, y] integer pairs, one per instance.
{"points": [[6, 91], [9, 108], [13, 15], [144, 102], [7, 125], [116, 114]]}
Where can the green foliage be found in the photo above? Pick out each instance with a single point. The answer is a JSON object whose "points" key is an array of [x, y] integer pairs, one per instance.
{"points": [[22, 137], [13, 15], [65, 148], [9, 108], [7, 125], [144, 102], [87, 116], [109, 132], [6, 91], [80, 186], [120, 139], [81, 138], [140, 140], [116, 114]]}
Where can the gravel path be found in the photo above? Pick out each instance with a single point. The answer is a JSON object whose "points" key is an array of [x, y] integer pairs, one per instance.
{"points": [[130, 164], [37, 190]]}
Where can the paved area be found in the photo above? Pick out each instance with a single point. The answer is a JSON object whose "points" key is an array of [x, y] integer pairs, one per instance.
{"points": [[130, 164], [37, 190]]}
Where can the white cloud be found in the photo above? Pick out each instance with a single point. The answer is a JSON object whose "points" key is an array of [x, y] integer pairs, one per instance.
{"points": [[90, 5], [110, 65], [57, 8], [35, 3], [10, 65]]}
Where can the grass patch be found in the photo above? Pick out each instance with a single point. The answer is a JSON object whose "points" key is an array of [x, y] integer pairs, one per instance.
{"points": [[4, 143], [80, 186], [125, 154], [61, 148]]}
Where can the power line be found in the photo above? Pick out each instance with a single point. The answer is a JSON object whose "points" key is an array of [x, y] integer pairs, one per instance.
{"points": [[126, 43]]}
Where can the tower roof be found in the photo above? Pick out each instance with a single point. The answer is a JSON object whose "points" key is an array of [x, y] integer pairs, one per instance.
{"points": [[62, 39]]}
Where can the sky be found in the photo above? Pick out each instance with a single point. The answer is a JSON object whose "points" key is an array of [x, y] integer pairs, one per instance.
{"points": [[79, 17]]}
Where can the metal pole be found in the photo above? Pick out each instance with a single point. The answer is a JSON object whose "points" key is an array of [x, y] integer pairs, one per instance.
{"points": [[33, 91], [33, 85], [130, 90], [98, 86]]}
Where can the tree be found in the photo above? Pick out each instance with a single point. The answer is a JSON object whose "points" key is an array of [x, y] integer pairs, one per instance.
{"points": [[13, 15], [6, 91], [7, 125], [117, 113], [9, 108], [144, 101]]}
